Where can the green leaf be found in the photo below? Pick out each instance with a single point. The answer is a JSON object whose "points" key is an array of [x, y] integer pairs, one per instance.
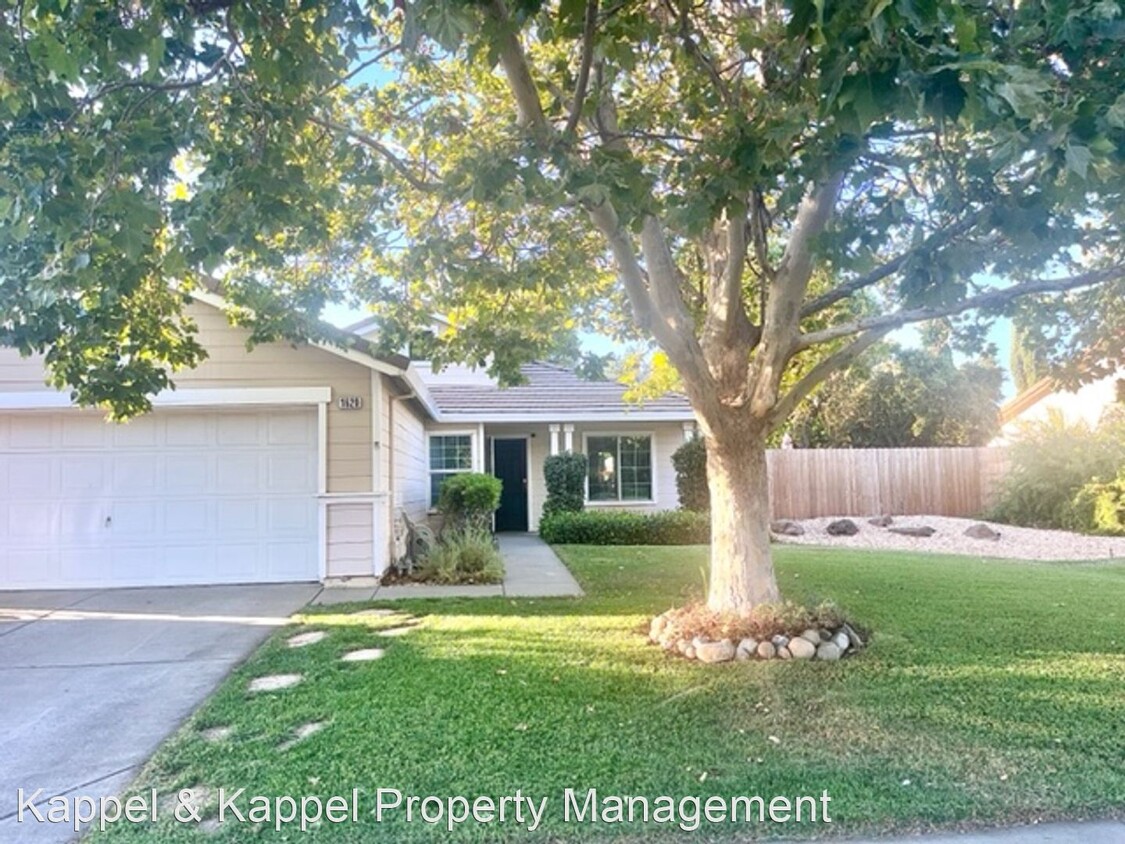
{"points": [[1078, 159], [1115, 116]]}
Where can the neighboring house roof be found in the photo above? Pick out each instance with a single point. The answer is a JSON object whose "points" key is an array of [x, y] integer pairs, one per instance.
{"points": [[554, 394], [1028, 398]]}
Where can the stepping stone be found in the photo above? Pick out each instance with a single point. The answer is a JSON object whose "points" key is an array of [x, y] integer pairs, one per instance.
{"points": [[302, 733], [216, 734], [396, 631], [364, 655], [274, 682], [303, 639]]}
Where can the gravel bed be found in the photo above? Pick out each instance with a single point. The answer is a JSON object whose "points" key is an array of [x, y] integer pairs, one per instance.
{"points": [[1014, 542]]}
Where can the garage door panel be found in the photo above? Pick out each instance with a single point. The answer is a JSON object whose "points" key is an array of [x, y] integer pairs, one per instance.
{"points": [[136, 433], [135, 474], [187, 516], [186, 472], [176, 497], [238, 429], [289, 430], [79, 430], [241, 517], [188, 429], [240, 472], [288, 560], [290, 473], [30, 432], [31, 524], [136, 521], [27, 567], [84, 475], [290, 517]]}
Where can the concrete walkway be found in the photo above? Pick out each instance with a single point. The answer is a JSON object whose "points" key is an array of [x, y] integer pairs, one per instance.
{"points": [[1083, 832], [531, 570]]}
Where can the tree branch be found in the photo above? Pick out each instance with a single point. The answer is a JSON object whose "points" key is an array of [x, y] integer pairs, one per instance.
{"points": [[992, 298], [727, 333], [512, 59], [781, 320], [833, 363], [934, 241], [583, 81], [377, 146], [358, 69]]}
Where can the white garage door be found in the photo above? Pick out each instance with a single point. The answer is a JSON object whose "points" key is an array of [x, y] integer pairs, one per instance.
{"points": [[174, 497]]}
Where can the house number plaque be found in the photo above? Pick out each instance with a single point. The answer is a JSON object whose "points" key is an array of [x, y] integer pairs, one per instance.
{"points": [[350, 402]]}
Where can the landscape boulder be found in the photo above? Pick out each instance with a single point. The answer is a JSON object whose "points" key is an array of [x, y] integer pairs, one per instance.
{"points": [[785, 527], [881, 521], [829, 652], [921, 531], [982, 531], [842, 527]]}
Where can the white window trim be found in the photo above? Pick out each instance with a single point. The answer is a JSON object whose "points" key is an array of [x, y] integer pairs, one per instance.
{"points": [[476, 463], [627, 502]]}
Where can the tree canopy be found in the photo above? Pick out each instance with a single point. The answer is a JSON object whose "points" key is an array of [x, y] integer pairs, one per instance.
{"points": [[684, 173], [903, 398]]}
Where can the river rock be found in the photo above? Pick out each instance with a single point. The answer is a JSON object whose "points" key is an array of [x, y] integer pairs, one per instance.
{"points": [[715, 651], [842, 527], [881, 521], [828, 652], [812, 635], [766, 650], [841, 641], [802, 648]]}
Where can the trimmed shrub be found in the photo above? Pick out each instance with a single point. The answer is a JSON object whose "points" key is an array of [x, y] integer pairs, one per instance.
{"points": [[1100, 507], [468, 501], [690, 463], [619, 527], [467, 556], [566, 483]]}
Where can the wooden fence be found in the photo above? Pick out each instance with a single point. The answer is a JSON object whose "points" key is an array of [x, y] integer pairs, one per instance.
{"points": [[808, 483]]}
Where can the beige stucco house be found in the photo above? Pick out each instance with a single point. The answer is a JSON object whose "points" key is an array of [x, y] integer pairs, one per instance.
{"points": [[292, 463]]}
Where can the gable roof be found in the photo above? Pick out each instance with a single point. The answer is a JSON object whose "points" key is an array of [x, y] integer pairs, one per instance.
{"points": [[1027, 399], [552, 393]]}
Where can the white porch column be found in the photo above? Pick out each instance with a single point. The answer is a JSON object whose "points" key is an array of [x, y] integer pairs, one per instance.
{"points": [[689, 431], [554, 429], [568, 438]]}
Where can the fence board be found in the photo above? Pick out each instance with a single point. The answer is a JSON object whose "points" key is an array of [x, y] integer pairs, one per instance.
{"points": [[808, 483]]}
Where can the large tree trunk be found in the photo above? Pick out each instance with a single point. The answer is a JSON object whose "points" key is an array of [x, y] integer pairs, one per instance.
{"points": [[742, 573]]}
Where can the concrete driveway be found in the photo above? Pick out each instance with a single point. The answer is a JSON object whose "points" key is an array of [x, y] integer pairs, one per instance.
{"points": [[92, 681]]}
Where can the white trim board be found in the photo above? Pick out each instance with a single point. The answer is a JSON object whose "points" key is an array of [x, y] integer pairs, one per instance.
{"points": [[225, 397], [590, 417]]}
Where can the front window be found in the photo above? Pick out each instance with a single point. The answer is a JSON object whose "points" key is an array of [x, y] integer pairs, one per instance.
{"points": [[620, 468], [449, 455]]}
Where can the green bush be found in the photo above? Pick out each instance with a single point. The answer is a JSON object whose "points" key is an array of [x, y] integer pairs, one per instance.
{"points": [[566, 483], [690, 463], [468, 501], [620, 527], [467, 556], [1100, 507], [1050, 463]]}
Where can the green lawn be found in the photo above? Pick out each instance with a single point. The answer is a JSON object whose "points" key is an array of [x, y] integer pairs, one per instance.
{"points": [[992, 692]]}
